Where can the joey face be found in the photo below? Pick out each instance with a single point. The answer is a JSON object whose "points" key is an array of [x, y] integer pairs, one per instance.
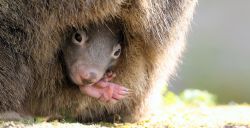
{"points": [[90, 53]]}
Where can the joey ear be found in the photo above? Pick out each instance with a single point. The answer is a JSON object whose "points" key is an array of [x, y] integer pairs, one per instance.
{"points": [[120, 36]]}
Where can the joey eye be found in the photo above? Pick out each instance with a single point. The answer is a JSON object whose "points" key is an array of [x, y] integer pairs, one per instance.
{"points": [[116, 51], [78, 37]]}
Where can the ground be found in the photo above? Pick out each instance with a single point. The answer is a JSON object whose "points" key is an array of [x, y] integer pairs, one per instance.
{"points": [[192, 109]]}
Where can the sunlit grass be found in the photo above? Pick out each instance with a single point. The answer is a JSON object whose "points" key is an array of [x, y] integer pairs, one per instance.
{"points": [[190, 97]]}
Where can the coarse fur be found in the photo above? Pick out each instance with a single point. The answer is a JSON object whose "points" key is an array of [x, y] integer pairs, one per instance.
{"points": [[32, 77]]}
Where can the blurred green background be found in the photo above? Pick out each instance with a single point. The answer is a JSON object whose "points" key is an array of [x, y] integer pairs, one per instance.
{"points": [[217, 57]]}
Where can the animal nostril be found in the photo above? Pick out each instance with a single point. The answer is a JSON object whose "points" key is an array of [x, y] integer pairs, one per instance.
{"points": [[92, 75]]}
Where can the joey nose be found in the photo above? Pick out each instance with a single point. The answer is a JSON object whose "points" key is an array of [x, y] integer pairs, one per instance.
{"points": [[92, 76]]}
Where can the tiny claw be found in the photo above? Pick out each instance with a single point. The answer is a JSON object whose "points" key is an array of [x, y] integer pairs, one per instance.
{"points": [[123, 88], [123, 93], [127, 90]]}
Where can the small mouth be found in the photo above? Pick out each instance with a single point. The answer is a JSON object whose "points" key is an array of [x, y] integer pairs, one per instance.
{"points": [[87, 82]]}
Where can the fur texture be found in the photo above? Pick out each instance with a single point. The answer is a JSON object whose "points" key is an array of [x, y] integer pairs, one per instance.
{"points": [[32, 77]]}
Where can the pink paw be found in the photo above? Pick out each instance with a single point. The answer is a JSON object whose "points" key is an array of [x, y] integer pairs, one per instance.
{"points": [[108, 76], [112, 92], [105, 91]]}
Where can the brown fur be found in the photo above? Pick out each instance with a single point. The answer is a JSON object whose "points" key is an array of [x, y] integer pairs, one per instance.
{"points": [[32, 78]]}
